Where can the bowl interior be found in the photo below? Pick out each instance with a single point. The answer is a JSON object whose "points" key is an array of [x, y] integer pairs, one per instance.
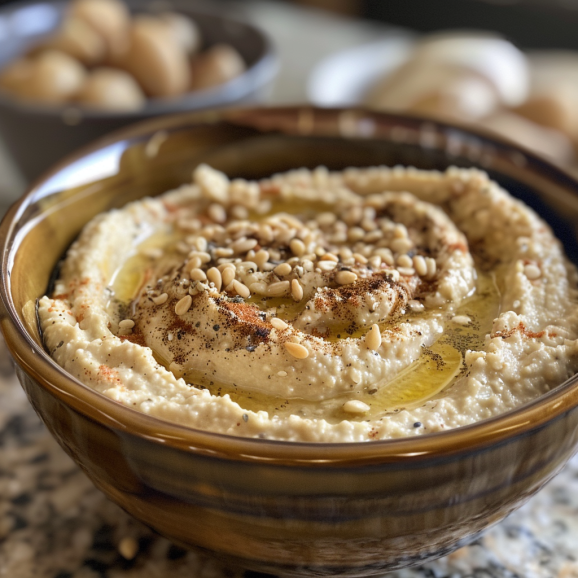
{"points": [[153, 157]]}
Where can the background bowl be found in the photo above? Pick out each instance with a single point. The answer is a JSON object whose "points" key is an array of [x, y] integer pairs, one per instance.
{"points": [[288, 508], [37, 136]]}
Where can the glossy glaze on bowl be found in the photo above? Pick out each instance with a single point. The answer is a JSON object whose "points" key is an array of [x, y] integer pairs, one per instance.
{"points": [[37, 136], [296, 509]]}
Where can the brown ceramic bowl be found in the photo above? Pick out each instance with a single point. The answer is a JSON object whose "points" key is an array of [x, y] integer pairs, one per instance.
{"points": [[289, 508], [37, 136]]}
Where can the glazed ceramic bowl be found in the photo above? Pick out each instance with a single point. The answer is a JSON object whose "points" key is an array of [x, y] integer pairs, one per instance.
{"points": [[37, 136], [289, 508]]}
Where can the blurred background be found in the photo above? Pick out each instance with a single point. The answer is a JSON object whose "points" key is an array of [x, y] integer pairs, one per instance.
{"points": [[505, 66]]}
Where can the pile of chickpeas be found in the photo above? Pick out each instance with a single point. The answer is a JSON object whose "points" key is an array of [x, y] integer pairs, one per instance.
{"points": [[102, 57]]}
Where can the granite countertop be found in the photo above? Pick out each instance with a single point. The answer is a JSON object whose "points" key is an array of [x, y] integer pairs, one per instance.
{"points": [[55, 524]]}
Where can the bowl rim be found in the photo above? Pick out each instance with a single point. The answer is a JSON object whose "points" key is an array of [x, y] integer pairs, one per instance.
{"points": [[475, 437], [259, 74]]}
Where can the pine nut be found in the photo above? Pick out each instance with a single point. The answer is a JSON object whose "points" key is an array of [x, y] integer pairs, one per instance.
{"points": [[532, 272], [405, 261], [327, 265], [241, 289], [197, 275], [345, 277], [217, 213], [278, 323], [244, 245], [373, 338], [183, 305], [297, 247], [296, 290], [283, 269], [297, 350], [278, 289], [215, 277], [355, 406], [227, 275], [160, 299], [261, 257], [259, 288], [420, 265]]}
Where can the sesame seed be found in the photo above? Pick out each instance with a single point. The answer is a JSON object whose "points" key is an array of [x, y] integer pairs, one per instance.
{"points": [[400, 231], [277, 289], [406, 271], [183, 305], [296, 290], [282, 373], [197, 275], [241, 289], [330, 257], [373, 338], [355, 406], [532, 272], [283, 269], [215, 277], [126, 324], [297, 350], [345, 277], [360, 258], [160, 299], [461, 320], [297, 247], [278, 323]]}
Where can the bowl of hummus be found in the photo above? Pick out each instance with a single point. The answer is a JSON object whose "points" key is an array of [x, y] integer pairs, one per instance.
{"points": [[307, 340]]}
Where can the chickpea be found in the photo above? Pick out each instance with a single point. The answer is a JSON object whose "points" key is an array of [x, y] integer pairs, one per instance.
{"points": [[216, 66], [184, 30], [111, 89], [79, 40], [155, 59], [109, 18], [54, 78]]}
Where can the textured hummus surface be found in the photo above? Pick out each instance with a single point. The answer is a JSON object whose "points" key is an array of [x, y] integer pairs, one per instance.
{"points": [[316, 306]]}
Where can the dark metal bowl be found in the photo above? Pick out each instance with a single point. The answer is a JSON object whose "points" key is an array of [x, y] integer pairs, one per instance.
{"points": [[37, 136]]}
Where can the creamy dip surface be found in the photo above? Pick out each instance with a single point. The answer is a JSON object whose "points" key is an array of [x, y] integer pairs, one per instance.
{"points": [[318, 306]]}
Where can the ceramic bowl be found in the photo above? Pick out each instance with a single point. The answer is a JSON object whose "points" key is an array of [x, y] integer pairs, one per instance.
{"points": [[288, 508], [38, 136]]}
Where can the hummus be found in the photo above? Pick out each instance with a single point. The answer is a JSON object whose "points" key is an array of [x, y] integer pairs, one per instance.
{"points": [[315, 306]]}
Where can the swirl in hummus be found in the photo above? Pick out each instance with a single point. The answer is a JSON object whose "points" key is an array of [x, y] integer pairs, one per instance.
{"points": [[316, 306]]}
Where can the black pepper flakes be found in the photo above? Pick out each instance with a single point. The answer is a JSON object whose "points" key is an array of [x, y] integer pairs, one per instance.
{"points": [[216, 327], [245, 418], [417, 424]]}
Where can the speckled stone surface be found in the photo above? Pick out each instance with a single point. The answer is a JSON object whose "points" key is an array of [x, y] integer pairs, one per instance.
{"points": [[55, 524]]}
